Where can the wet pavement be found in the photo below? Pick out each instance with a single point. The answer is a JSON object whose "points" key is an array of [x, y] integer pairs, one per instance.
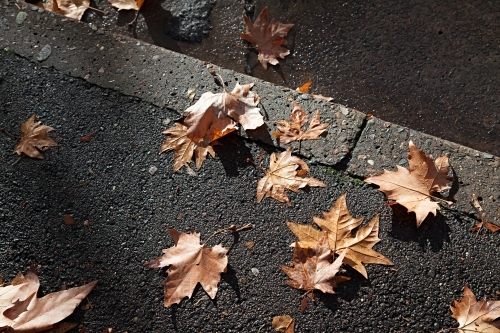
{"points": [[432, 67]]}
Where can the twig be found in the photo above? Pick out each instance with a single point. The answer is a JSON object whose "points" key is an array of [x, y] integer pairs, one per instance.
{"points": [[98, 10], [9, 134], [18, 159]]}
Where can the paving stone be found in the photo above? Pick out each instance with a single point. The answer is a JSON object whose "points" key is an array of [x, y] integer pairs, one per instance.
{"points": [[384, 145]]}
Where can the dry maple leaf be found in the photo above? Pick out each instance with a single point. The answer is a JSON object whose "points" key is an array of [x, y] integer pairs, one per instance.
{"points": [[126, 4], [413, 187], [482, 214], [283, 174], [184, 147], [215, 115], [292, 131], [34, 139], [338, 224], [313, 269], [283, 324], [190, 262], [22, 311], [474, 316], [267, 37], [70, 8]]}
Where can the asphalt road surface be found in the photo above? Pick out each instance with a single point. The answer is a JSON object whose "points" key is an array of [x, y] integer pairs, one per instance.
{"points": [[107, 182]]}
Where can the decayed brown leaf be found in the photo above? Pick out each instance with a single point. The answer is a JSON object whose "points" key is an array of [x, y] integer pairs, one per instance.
{"points": [[413, 187], [313, 269], [474, 316], [215, 115], [283, 174], [338, 224], [190, 262], [292, 131], [22, 311], [69, 8], [267, 37], [34, 139], [284, 324], [126, 4], [184, 147], [479, 210]]}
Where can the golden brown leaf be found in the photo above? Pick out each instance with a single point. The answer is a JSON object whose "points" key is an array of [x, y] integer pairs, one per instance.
{"points": [[474, 316], [283, 174], [338, 224], [185, 148], [267, 37], [216, 115], [413, 187], [292, 131], [69, 8], [315, 270], [283, 324], [190, 263], [126, 4], [29, 314], [34, 139]]}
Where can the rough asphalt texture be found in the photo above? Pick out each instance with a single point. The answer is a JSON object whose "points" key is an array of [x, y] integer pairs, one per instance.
{"points": [[129, 211]]}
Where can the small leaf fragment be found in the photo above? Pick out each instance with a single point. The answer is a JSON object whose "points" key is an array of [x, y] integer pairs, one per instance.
{"points": [[283, 324], [305, 87], [68, 219], [126, 4]]}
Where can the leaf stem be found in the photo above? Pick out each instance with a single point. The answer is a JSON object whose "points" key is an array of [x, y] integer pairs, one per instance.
{"points": [[101, 11], [447, 329], [231, 228], [256, 165], [8, 133]]}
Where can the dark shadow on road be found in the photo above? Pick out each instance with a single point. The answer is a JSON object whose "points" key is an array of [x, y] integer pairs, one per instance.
{"points": [[434, 231], [233, 154], [231, 278]]}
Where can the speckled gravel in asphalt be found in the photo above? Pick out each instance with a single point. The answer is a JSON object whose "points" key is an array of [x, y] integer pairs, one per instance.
{"points": [[107, 182]]}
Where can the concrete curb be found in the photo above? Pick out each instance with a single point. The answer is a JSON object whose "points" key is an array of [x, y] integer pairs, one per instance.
{"points": [[162, 78]]}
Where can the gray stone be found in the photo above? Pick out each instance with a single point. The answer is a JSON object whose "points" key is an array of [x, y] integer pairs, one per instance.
{"points": [[44, 53], [21, 17], [255, 271], [152, 170]]}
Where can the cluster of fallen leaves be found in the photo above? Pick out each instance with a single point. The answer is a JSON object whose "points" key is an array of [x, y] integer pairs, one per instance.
{"points": [[22, 311]]}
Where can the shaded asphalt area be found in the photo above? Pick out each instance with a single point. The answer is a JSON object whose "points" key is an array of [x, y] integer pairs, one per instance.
{"points": [[107, 183]]}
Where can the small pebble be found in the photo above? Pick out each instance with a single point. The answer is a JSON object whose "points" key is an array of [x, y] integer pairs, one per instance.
{"points": [[21, 16], [152, 170], [487, 156], [402, 161], [156, 57], [45, 53], [370, 162], [344, 110], [165, 122], [255, 271]]}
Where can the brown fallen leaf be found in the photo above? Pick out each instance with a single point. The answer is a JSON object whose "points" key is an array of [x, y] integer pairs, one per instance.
{"points": [[87, 137], [185, 148], [283, 324], [249, 245], [474, 316], [315, 270], [22, 311], [190, 263], [292, 131], [413, 187], [338, 225], [70, 8], [216, 115], [482, 214], [283, 174], [108, 330], [126, 4], [305, 87], [62, 327], [68, 219], [34, 139], [267, 37]]}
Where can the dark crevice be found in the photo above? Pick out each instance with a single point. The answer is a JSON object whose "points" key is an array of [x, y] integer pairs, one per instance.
{"points": [[343, 164]]}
